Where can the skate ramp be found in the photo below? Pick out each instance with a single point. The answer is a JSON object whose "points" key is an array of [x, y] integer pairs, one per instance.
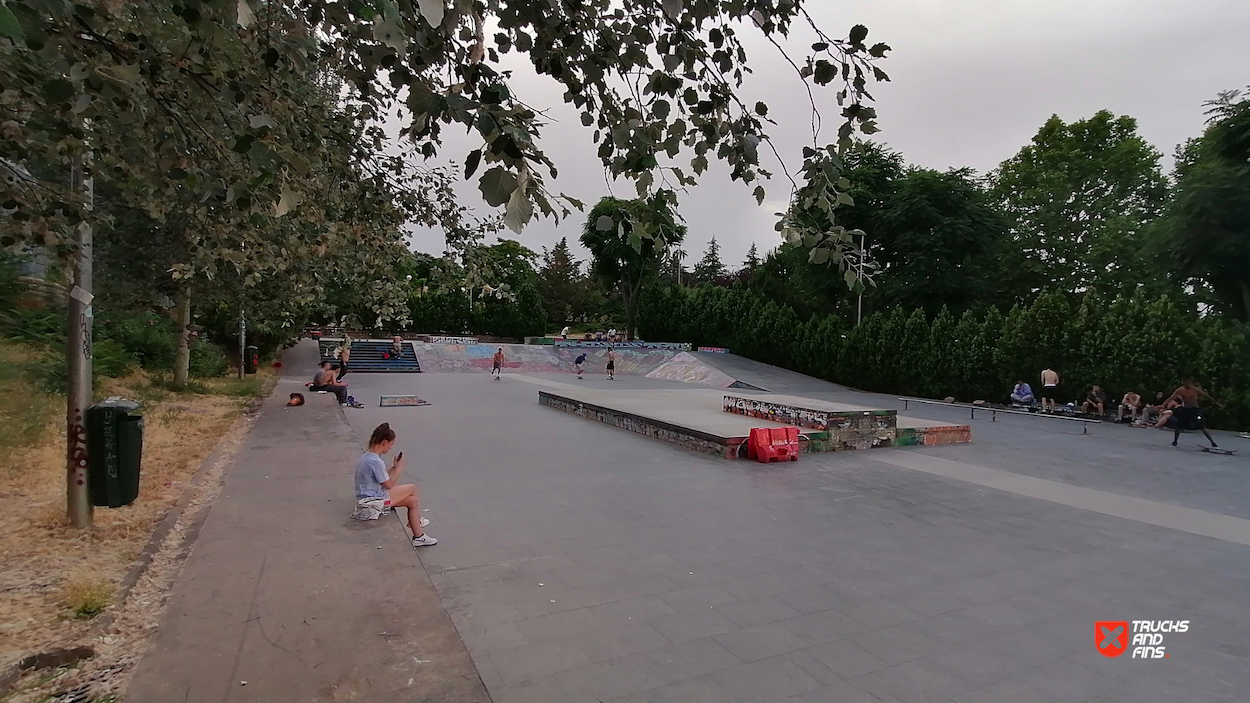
{"points": [[661, 364], [533, 358], [756, 374]]}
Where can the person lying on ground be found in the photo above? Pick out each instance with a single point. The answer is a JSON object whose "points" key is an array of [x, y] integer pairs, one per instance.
{"points": [[1150, 411], [324, 380], [1096, 400], [1165, 413], [1022, 393], [378, 488], [1189, 414], [1130, 404]]}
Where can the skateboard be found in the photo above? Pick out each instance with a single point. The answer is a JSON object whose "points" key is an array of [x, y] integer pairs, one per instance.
{"points": [[1216, 450]]}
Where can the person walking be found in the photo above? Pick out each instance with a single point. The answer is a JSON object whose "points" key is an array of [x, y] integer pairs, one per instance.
{"points": [[1050, 389], [611, 364], [379, 487], [345, 353]]}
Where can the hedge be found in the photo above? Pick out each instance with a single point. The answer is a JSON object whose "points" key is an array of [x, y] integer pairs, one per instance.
{"points": [[1131, 343]]}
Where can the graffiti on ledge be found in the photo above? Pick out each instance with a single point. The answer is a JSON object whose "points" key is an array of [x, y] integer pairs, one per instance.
{"points": [[594, 344]]}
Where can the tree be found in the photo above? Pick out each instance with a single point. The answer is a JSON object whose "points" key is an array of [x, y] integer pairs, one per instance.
{"points": [[651, 77], [1079, 198], [560, 282], [621, 257], [671, 268], [1205, 234], [710, 266], [934, 240], [752, 261]]}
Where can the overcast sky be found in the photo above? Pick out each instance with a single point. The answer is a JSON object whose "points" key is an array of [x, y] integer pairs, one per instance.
{"points": [[972, 81]]}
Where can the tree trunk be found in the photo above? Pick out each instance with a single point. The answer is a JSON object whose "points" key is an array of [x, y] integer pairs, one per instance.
{"points": [[182, 359]]}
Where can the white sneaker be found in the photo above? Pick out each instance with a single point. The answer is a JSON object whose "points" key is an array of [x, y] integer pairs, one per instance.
{"points": [[425, 522], [423, 541]]}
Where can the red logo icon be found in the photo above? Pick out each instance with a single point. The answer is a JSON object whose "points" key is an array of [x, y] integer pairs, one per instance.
{"points": [[1111, 637]]}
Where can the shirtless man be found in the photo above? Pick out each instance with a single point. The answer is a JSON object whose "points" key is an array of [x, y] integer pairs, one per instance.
{"points": [[1050, 389], [1189, 415], [324, 380], [611, 364], [497, 366]]}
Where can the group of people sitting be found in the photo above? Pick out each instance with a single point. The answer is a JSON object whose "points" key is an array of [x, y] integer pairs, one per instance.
{"points": [[1178, 411], [612, 335]]}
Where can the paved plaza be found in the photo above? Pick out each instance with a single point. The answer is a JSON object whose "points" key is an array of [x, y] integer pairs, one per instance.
{"points": [[584, 563], [578, 562]]}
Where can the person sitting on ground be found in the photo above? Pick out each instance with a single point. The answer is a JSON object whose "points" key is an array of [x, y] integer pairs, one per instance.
{"points": [[1130, 405], [324, 380], [376, 486], [1022, 393], [1096, 400]]}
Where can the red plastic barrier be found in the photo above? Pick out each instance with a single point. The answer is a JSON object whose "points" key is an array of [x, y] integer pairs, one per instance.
{"points": [[767, 444]]}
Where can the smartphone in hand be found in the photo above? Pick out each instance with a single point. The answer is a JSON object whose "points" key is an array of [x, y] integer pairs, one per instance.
{"points": [[399, 457]]}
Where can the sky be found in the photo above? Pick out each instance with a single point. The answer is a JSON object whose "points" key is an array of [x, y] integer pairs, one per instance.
{"points": [[971, 83]]}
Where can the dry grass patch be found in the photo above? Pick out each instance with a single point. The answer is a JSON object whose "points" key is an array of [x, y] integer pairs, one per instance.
{"points": [[51, 570]]}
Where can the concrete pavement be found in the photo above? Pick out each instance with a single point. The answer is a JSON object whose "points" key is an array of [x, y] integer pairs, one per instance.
{"points": [[584, 563], [284, 591]]}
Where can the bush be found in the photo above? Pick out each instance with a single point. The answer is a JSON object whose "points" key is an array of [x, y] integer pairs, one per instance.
{"points": [[109, 358], [207, 359], [150, 338], [1131, 343]]}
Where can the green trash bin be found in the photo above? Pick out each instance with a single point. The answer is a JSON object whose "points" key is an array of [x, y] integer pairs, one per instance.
{"points": [[114, 451]]}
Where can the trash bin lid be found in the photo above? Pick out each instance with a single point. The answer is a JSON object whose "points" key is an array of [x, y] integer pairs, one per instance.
{"points": [[117, 404]]}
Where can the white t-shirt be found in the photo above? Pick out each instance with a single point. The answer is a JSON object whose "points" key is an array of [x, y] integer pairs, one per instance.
{"points": [[564, 332]]}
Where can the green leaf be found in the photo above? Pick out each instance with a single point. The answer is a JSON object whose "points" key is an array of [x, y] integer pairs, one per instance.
{"points": [[390, 34], [244, 14], [858, 33], [470, 163], [9, 26], [761, 109], [818, 256], [604, 223], [432, 11], [825, 72], [519, 211], [58, 91], [497, 185], [759, 195], [673, 8], [660, 109], [878, 50]]}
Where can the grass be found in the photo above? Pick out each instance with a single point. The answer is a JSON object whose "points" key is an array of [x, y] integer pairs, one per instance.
{"points": [[56, 578], [88, 598]]}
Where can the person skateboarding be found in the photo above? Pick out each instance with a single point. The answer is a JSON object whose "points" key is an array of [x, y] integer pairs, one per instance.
{"points": [[611, 364], [497, 367], [577, 364], [1189, 414]]}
